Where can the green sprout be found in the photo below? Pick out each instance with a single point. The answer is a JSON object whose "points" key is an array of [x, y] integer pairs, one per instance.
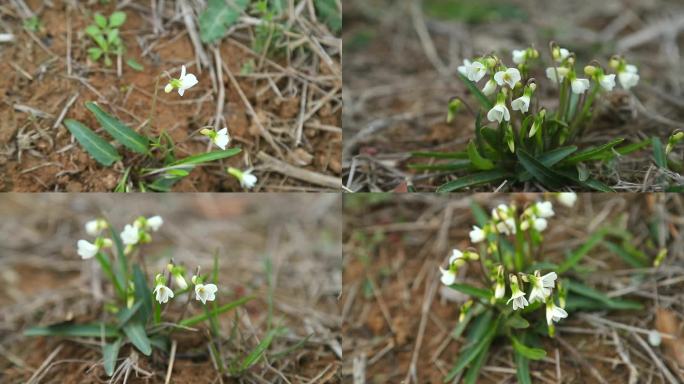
{"points": [[105, 33]]}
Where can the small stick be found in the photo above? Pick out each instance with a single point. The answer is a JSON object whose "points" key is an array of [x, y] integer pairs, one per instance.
{"points": [[68, 43], [221, 88], [64, 111], [172, 358], [287, 169]]}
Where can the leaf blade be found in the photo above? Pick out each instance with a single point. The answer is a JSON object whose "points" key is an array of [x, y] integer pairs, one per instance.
{"points": [[120, 131], [472, 180], [103, 152]]}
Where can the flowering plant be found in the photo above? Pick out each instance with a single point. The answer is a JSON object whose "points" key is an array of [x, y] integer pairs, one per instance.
{"points": [[137, 314], [524, 296], [522, 140]]}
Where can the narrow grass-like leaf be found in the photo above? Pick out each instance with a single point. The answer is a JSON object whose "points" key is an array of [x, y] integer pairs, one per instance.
{"points": [[258, 352], [135, 332], [441, 155], [127, 313], [474, 369], [522, 366], [481, 216], [450, 166], [73, 330], [545, 175], [549, 159], [472, 180], [485, 335], [607, 302], [110, 352], [627, 256], [142, 294], [189, 322], [594, 153], [472, 291], [477, 160], [107, 269], [96, 146], [206, 157], [659, 153], [578, 254], [529, 352], [481, 97], [122, 265], [120, 131], [329, 14], [135, 65]]}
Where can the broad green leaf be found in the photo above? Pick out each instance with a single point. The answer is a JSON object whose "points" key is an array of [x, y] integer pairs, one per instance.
{"points": [[528, 352], [127, 313], [135, 332], [122, 133], [594, 153], [96, 146], [329, 14], [450, 166], [481, 98], [117, 19], [258, 352], [112, 36], [474, 179], [481, 216], [607, 302], [549, 159], [206, 157], [142, 294], [94, 53], [441, 155], [545, 175], [100, 20], [659, 153], [517, 321], [218, 17], [73, 330], [478, 161], [472, 291], [578, 254], [110, 352], [189, 322]]}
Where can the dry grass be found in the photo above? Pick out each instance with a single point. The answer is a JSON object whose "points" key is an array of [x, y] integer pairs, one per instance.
{"points": [[46, 282], [397, 318]]}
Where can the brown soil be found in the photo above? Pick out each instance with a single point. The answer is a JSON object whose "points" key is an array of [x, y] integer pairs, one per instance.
{"points": [[396, 245], [47, 283], [36, 157]]}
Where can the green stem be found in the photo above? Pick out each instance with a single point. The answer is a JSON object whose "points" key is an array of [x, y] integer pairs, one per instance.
{"points": [[107, 268], [585, 113], [519, 240]]}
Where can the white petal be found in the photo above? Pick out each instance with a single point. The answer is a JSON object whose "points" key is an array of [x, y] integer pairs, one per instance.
{"points": [[155, 222], [181, 91], [495, 114], [221, 141], [248, 180], [499, 78], [182, 75], [188, 81], [92, 228], [448, 277], [455, 255]]}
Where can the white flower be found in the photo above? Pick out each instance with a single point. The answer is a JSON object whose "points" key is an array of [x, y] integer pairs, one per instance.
{"points": [[476, 71], [567, 198], [554, 313], [552, 71], [542, 286], [500, 212], [220, 137], [506, 227], [544, 209], [654, 338], [185, 81], [562, 54], [499, 112], [93, 227], [489, 88], [517, 296], [130, 235], [607, 82], [448, 276], [87, 250], [579, 86], [521, 104], [519, 56], [463, 69], [455, 255], [163, 293], [477, 234], [540, 224], [155, 222], [247, 180], [180, 281], [629, 77], [499, 290], [510, 76], [205, 292]]}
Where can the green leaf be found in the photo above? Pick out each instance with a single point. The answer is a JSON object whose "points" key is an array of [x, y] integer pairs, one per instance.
{"points": [[96, 146], [92, 30], [549, 159], [103, 259], [474, 369], [110, 352], [142, 294], [545, 175], [659, 153], [441, 155], [629, 257], [122, 269], [474, 179], [112, 36], [127, 313], [74, 330], [522, 368], [330, 14], [479, 339], [122, 133], [94, 53], [606, 302], [481, 98], [135, 65], [629, 148], [189, 322], [450, 166], [258, 352], [100, 20], [206, 157], [472, 291], [528, 352], [135, 332], [218, 17], [518, 322], [478, 161], [117, 19], [594, 153], [578, 254]]}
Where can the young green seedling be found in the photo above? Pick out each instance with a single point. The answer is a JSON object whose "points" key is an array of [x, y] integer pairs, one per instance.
{"points": [[105, 33]]}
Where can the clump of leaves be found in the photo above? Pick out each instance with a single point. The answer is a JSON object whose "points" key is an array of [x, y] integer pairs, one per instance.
{"points": [[33, 23], [522, 140], [518, 302], [105, 33], [218, 17]]}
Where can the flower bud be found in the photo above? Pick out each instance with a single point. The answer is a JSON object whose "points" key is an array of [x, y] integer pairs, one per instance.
{"points": [[614, 62], [590, 70], [453, 108]]}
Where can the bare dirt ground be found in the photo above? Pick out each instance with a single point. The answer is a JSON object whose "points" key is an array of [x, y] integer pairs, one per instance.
{"points": [[287, 110], [402, 59], [397, 316], [46, 282]]}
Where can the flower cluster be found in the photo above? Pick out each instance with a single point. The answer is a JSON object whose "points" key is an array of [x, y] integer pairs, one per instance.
{"points": [[507, 220]]}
